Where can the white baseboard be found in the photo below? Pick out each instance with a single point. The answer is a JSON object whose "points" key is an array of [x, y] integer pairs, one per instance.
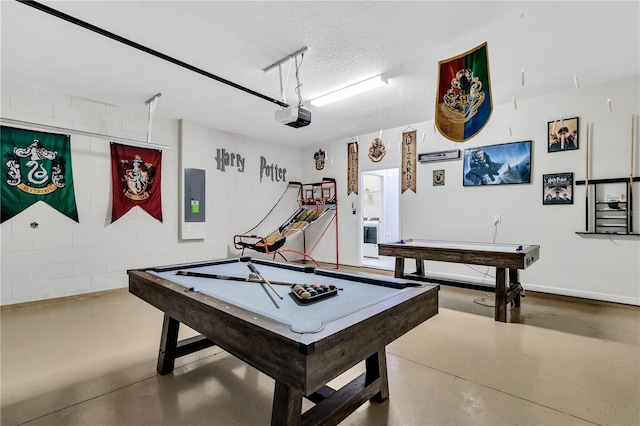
{"points": [[603, 297]]}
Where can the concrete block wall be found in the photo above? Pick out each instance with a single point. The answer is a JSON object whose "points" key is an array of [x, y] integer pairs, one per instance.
{"points": [[61, 257]]}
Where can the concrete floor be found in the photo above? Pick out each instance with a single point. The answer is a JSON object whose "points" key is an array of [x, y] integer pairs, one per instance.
{"points": [[558, 361]]}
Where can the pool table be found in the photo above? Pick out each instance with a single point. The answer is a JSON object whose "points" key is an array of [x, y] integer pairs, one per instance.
{"points": [[505, 257], [302, 345]]}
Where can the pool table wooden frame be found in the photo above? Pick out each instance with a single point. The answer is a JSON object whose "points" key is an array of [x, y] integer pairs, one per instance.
{"points": [[300, 363], [505, 257]]}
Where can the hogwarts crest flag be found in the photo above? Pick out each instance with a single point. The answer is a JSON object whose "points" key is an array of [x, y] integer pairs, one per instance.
{"points": [[463, 98], [135, 177], [36, 167]]}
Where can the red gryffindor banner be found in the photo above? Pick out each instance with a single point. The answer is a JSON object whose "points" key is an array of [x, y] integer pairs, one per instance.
{"points": [[136, 177]]}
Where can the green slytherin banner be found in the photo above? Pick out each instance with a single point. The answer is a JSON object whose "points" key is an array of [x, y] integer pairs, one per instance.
{"points": [[36, 167]]}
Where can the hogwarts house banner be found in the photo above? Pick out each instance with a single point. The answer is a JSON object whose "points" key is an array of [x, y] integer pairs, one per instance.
{"points": [[409, 161], [463, 98], [352, 168], [36, 167], [135, 177]]}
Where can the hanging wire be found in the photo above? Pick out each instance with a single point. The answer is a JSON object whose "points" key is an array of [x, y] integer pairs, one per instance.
{"points": [[298, 84], [283, 87], [488, 299], [282, 95]]}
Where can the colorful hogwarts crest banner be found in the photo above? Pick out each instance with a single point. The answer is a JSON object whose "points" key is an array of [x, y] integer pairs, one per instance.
{"points": [[36, 167], [136, 178], [463, 98]]}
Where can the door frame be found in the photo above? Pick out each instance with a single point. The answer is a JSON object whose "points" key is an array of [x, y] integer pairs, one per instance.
{"points": [[384, 200]]}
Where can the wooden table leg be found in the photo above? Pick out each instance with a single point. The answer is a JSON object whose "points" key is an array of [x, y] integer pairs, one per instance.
{"points": [[501, 295], [420, 267], [168, 345], [399, 273], [287, 406], [515, 281], [377, 369]]}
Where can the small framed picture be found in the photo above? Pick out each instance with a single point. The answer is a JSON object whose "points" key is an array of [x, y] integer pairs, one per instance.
{"points": [[557, 188], [438, 178], [563, 134]]}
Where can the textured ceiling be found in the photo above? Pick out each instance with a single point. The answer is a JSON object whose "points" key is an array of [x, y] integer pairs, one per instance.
{"points": [[347, 41]]}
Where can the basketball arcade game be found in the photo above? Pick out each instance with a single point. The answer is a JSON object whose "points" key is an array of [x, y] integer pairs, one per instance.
{"points": [[289, 219]]}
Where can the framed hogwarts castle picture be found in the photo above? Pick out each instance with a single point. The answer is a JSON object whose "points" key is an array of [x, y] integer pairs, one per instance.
{"points": [[497, 164]]}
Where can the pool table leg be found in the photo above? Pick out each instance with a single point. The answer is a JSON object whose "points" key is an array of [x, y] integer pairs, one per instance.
{"points": [[287, 405], [501, 295], [168, 345], [172, 348], [332, 406], [376, 366]]}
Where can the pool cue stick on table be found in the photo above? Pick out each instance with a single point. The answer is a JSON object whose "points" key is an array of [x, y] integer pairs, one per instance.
{"points": [[255, 271], [229, 278]]}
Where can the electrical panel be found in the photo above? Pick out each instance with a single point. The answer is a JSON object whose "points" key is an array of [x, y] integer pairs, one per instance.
{"points": [[194, 195]]}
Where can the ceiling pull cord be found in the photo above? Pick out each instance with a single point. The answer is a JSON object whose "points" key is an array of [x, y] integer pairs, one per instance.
{"points": [[152, 102], [282, 94]]}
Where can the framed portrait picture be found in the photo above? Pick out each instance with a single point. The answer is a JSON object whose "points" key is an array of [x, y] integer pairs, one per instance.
{"points": [[438, 177], [497, 164], [557, 188], [563, 134]]}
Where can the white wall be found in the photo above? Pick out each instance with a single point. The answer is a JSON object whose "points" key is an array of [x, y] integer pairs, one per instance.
{"points": [[597, 267], [391, 190], [62, 257], [372, 193], [377, 204]]}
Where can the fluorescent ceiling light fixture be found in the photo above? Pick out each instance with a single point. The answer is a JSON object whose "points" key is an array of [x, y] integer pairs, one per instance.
{"points": [[347, 92]]}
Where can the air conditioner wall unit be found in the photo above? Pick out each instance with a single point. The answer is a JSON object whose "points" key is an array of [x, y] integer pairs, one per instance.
{"points": [[428, 157]]}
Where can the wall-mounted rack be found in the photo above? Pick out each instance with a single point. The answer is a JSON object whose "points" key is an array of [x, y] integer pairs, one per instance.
{"points": [[610, 216]]}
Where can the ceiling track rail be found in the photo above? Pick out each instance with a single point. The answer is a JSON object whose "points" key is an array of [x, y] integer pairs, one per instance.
{"points": [[145, 49], [285, 59]]}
